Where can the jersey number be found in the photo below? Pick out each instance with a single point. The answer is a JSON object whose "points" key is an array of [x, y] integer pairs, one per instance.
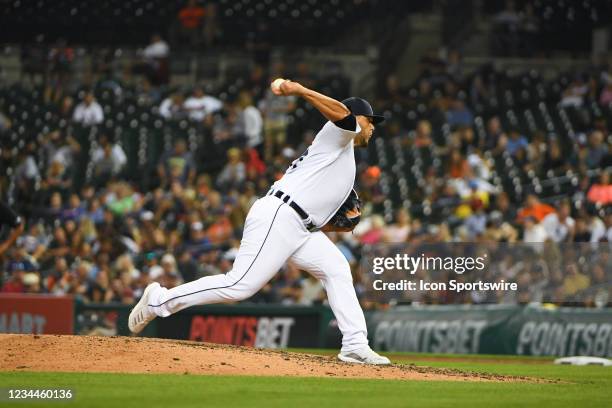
{"points": [[295, 163]]}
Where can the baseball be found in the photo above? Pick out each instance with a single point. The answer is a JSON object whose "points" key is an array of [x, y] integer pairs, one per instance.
{"points": [[277, 83]]}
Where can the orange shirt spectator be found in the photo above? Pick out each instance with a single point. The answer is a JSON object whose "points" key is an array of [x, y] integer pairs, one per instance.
{"points": [[601, 193], [458, 167], [459, 170], [220, 230], [535, 209], [191, 15]]}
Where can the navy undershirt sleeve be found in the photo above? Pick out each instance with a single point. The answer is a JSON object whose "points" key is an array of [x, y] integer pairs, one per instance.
{"points": [[347, 123]]}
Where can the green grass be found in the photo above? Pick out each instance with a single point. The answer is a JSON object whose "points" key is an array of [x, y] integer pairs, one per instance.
{"points": [[582, 386]]}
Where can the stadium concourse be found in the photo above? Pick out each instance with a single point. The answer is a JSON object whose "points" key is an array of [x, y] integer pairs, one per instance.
{"points": [[125, 179]]}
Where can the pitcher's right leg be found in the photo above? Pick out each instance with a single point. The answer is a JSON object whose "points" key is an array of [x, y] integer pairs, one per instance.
{"points": [[321, 258]]}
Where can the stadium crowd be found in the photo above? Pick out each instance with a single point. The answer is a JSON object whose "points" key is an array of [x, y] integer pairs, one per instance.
{"points": [[105, 239]]}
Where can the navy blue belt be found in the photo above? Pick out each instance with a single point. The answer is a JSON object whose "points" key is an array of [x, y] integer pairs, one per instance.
{"points": [[310, 226]]}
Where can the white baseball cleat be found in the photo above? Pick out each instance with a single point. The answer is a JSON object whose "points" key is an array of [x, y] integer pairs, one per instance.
{"points": [[140, 315], [363, 356]]}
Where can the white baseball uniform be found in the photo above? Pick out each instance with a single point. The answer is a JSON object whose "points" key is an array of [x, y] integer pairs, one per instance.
{"points": [[319, 182]]}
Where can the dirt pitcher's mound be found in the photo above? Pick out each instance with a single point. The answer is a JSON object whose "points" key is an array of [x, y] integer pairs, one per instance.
{"points": [[146, 355]]}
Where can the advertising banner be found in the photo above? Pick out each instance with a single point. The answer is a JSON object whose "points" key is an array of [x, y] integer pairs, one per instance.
{"points": [[492, 329], [244, 325], [36, 314]]}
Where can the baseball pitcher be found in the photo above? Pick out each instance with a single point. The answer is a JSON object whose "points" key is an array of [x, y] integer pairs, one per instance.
{"points": [[314, 195]]}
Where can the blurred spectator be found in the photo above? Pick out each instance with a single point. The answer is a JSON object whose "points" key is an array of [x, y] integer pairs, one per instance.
{"points": [[393, 93], [554, 159], [454, 66], [148, 92], [459, 115], [177, 165], [581, 231], [601, 192], [479, 166], [31, 282], [573, 95], [479, 92], [89, 112], [65, 108], [234, 172], [108, 159], [74, 210], [188, 267], [605, 98], [250, 120], [60, 61], [288, 287], [534, 208], [475, 223], [197, 240], [574, 280], [533, 231], [152, 267], [400, 230], [423, 134], [155, 62], [57, 178], [172, 107], [200, 105], [559, 225], [375, 234], [122, 199], [5, 123], [170, 276], [497, 230], [506, 208], [60, 149], [157, 49], [458, 166], [35, 240], [189, 30], [26, 172], [516, 142], [495, 135], [597, 150], [370, 191], [254, 166]]}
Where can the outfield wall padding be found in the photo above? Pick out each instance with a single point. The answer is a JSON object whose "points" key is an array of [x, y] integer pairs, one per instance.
{"points": [[493, 329]]}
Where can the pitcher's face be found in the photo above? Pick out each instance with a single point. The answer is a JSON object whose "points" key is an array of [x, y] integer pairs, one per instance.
{"points": [[367, 129]]}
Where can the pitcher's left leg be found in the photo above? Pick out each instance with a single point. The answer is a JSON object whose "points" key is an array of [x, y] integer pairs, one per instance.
{"points": [[320, 257]]}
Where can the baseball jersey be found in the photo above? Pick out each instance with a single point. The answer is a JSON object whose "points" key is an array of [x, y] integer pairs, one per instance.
{"points": [[321, 179]]}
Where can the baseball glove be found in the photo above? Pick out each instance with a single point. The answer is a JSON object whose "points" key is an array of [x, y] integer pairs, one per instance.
{"points": [[348, 215]]}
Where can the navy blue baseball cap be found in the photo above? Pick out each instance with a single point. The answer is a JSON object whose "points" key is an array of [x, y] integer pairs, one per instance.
{"points": [[359, 106]]}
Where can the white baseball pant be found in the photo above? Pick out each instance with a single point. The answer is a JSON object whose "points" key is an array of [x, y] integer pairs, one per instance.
{"points": [[274, 233]]}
